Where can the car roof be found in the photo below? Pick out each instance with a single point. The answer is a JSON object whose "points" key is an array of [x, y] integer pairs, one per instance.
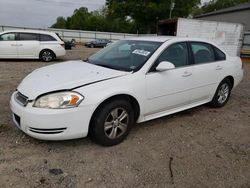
{"points": [[29, 31]]}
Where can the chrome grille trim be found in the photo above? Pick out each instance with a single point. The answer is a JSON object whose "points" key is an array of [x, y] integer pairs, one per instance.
{"points": [[21, 99]]}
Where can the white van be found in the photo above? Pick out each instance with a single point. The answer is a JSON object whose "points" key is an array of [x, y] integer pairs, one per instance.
{"points": [[31, 44]]}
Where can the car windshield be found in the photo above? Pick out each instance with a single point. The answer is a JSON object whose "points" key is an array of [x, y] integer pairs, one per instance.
{"points": [[125, 55]]}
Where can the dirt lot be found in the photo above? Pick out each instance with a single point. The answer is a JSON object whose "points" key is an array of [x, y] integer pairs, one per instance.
{"points": [[205, 147]]}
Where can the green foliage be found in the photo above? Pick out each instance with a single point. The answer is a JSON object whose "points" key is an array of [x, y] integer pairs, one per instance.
{"points": [[128, 16], [214, 5], [60, 23]]}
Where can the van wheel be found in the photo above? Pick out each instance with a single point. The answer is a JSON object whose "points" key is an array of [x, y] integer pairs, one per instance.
{"points": [[222, 94], [112, 122], [47, 55]]}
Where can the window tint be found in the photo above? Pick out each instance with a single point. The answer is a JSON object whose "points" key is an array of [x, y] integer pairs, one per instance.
{"points": [[203, 52], [8, 37], [219, 54], [28, 36], [176, 54], [47, 38]]}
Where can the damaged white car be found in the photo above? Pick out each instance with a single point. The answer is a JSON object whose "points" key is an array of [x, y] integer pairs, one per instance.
{"points": [[130, 81]]}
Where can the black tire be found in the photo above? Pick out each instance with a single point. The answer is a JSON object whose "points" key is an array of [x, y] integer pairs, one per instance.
{"points": [[217, 101], [102, 120], [92, 46], [47, 55]]}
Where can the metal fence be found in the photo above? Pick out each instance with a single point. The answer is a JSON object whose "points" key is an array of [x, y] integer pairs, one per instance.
{"points": [[80, 35]]}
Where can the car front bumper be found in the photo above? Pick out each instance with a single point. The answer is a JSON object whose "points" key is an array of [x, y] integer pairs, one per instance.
{"points": [[51, 124]]}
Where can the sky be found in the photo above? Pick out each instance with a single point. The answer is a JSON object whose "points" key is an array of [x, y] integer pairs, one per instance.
{"points": [[40, 13]]}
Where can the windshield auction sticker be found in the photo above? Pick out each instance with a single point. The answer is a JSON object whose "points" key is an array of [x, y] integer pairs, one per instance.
{"points": [[141, 52]]}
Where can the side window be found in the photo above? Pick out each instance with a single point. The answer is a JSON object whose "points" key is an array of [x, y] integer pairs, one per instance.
{"points": [[46, 38], [176, 54], [220, 56], [203, 52], [8, 37], [28, 36]]}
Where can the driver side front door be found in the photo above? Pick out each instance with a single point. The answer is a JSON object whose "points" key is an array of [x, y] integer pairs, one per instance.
{"points": [[8, 45], [169, 90]]}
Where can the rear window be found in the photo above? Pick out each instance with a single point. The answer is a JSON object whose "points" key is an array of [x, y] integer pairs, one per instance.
{"points": [[28, 36], [220, 56], [203, 52], [44, 37]]}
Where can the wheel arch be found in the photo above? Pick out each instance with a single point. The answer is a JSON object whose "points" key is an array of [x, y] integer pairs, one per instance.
{"points": [[231, 79], [131, 99]]}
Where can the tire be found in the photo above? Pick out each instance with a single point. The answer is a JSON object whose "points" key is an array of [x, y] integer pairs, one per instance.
{"points": [[112, 122], [47, 55], [92, 46], [222, 94]]}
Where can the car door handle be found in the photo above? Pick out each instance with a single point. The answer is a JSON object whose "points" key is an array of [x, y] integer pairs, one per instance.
{"points": [[219, 68], [186, 74]]}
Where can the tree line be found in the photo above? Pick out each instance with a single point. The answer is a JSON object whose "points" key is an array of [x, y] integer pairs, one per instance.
{"points": [[140, 16]]}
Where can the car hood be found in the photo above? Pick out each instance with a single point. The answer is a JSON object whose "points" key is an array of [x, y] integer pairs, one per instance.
{"points": [[64, 76]]}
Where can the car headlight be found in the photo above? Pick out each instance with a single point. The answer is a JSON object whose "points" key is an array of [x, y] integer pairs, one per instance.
{"points": [[60, 100]]}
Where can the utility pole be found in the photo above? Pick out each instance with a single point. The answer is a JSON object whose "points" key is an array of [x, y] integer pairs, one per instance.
{"points": [[171, 8]]}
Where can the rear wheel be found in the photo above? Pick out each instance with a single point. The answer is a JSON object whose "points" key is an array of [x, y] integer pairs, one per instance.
{"points": [[112, 122], [47, 55], [222, 94]]}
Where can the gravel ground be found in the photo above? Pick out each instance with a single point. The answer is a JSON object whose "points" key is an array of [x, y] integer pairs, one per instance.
{"points": [[200, 147]]}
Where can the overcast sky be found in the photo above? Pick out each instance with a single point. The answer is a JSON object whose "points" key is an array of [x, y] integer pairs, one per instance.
{"points": [[40, 13]]}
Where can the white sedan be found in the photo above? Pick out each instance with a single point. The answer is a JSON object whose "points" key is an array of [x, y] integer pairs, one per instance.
{"points": [[130, 81]]}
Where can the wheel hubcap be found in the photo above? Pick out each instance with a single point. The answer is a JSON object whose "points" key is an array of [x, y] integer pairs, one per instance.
{"points": [[47, 56], [116, 123], [223, 93]]}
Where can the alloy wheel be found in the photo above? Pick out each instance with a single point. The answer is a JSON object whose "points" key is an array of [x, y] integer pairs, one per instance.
{"points": [[116, 123], [223, 93]]}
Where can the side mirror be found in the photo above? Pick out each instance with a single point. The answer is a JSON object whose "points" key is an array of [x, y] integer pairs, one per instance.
{"points": [[165, 65]]}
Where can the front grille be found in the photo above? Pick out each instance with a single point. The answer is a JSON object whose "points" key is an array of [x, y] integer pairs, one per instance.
{"points": [[21, 99], [47, 131]]}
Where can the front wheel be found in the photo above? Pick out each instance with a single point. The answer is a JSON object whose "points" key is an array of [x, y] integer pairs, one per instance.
{"points": [[112, 122], [222, 94], [47, 55]]}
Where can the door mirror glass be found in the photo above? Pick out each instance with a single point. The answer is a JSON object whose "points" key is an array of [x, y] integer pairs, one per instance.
{"points": [[165, 65]]}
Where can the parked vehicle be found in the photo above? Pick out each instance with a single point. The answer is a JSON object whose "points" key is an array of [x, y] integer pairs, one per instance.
{"points": [[133, 80], [245, 51], [31, 44], [98, 43], [226, 35]]}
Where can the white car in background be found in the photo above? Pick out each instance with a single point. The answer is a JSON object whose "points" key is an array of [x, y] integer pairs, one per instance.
{"points": [[130, 81], [31, 44]]}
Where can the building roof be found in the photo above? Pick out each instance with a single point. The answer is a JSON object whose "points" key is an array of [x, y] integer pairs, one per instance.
{"points": [[240, 7]]}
